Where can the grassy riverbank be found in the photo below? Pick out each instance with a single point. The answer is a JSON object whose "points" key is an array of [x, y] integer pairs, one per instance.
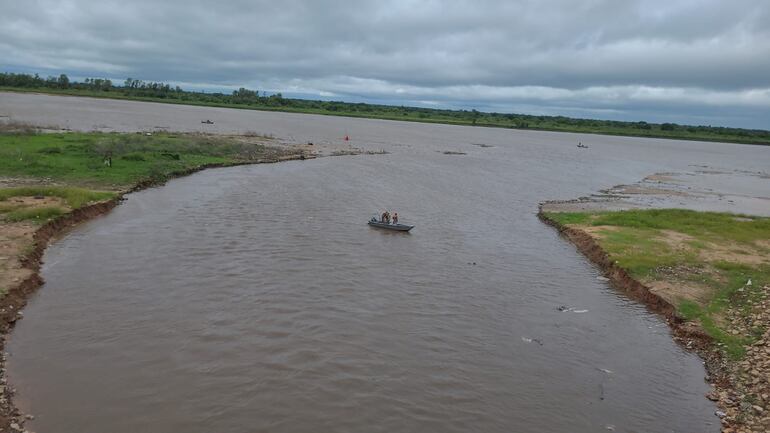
{"points": [[247, 100], [46, 176], [708, 265], [116, 161], [713, 269]]}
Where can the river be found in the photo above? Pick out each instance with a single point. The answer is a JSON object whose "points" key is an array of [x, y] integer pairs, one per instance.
{"points": [[255, 298]]}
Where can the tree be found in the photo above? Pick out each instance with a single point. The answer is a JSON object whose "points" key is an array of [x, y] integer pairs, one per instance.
{"points": [[668, 127], [244, 95], [64, 81]]}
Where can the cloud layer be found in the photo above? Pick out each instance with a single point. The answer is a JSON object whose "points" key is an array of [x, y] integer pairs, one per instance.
{"points": [[689, 61]]}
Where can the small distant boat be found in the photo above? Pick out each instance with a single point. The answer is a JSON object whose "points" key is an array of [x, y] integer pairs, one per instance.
{"points": [[388, 226], [207, 122], [582, 146]]}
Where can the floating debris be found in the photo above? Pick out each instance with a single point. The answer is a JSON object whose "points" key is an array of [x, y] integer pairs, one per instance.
{"points": [[564, 309], [531, 340]]}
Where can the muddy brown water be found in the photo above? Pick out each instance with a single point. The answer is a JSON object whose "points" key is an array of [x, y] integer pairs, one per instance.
{"points": [[255, 298]]}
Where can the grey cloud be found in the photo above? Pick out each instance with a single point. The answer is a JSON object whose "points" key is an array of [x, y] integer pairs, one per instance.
{"points": [[625, 55]]}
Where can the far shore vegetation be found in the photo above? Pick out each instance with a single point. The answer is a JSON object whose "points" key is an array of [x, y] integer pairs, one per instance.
{"points": [[134, 89], [711, 266]]}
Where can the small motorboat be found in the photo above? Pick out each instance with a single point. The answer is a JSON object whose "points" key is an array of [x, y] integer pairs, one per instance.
{"points": [[389, 226]]}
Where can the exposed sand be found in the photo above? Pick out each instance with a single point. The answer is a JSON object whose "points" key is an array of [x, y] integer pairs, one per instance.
{"points": [[710, 190]]}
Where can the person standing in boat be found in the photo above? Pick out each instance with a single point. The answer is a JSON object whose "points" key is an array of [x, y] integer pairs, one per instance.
{"points": [[395, 217]]}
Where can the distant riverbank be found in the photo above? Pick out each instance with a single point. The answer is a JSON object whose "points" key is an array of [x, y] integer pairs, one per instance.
{"points": [[429, 115]]}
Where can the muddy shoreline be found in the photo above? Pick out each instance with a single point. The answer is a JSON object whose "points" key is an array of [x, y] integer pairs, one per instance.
{"points": [[11, 305]]}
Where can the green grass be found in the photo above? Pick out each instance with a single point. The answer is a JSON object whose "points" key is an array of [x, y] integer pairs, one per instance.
{"points": [[706, 226], [733, 345], [635, 243], [632, 248], [38, 214], [74, 197], [732, 293], [79, 158], [709, 226], [8, 207]]}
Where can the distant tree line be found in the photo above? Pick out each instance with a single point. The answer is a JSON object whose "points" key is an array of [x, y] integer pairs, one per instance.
{"points": [[34, 81], [140, 88], [247, 98]]}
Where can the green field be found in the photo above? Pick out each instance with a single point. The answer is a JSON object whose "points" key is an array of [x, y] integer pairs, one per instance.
{"points": [[714, 255], [116, 161], [81, 168]]}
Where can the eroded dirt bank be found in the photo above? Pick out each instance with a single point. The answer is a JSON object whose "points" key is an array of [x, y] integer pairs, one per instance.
{"points": [[11, 419]]}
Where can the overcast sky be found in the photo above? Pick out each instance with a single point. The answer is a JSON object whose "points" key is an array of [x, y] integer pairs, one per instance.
{"points": [[685, 61]]}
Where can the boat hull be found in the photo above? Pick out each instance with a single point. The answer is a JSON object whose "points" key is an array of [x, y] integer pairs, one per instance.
{"points": [[394, 227]]}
